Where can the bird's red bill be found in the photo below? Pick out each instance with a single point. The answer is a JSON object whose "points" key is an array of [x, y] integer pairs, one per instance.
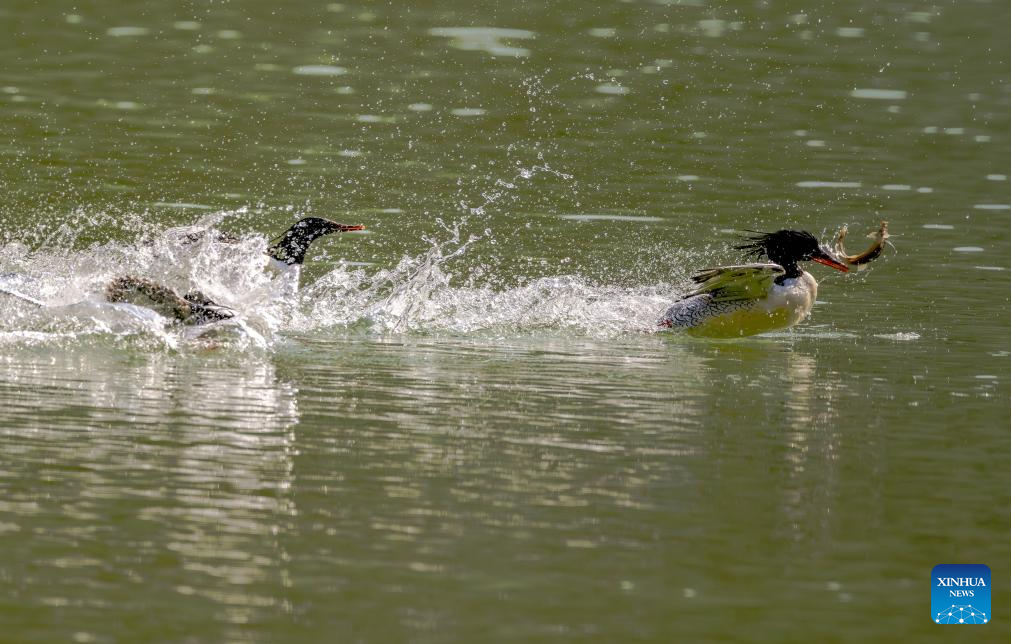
{"points": [[832, 263]]}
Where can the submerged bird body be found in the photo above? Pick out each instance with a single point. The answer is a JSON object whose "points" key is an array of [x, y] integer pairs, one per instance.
{"points": [[748, 299], [192, 308], [284, 258]]}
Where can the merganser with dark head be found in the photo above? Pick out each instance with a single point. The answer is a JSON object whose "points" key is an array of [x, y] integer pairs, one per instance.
{"points": [[285, 257], [743, 300], [288, 251], [291, 246]]}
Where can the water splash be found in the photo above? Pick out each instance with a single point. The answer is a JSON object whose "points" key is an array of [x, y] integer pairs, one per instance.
{"points": [[70, 284], [421, 293], [418, 295], [505, 187]]}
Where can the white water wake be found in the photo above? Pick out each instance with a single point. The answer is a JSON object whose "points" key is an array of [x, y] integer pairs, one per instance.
{"points": [[417, 295]]}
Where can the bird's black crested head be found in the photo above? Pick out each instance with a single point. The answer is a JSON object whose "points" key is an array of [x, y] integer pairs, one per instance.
{"points": [[787, 247], [790, 246], [292, 245]]}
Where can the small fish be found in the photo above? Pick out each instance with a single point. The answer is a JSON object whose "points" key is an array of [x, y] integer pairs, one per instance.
{"points": [[860, 260]]}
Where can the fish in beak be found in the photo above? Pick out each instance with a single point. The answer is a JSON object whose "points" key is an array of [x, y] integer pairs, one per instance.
{"points": [[824, 256]]}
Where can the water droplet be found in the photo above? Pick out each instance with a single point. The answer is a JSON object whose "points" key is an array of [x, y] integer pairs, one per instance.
{"points": [[120, 32], [879, 94], [606, 217], [319, 70], [611, 88], [992, 206], [486, 39], [850, 32], [828, 184], [713, 28], [901, 336]]}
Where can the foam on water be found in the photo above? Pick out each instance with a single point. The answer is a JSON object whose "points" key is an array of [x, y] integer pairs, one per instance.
{"points": [[420, 293]]}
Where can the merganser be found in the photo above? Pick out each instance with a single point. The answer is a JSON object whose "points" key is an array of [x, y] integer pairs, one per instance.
{"points": [[747, 299], [288, 252], [285, 257]]}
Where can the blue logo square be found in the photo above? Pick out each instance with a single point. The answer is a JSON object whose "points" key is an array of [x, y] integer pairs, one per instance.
{"points": [[960, 594]]}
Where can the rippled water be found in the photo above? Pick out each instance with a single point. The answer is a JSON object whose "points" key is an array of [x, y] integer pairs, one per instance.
{"points": [[466, 427]]}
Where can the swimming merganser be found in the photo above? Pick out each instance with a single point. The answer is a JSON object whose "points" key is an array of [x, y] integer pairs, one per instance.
{"points": [[288, 252], [285, 257], [737, 301]]}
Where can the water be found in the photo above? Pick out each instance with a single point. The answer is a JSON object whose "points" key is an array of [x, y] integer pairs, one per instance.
{"points": [[465, 428]]}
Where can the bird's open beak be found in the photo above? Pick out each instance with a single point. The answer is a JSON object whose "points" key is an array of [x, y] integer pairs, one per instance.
{"points": [[823, 256], [347, 228]]}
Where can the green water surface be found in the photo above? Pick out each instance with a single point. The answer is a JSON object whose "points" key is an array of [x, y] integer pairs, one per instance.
{"points": [[518, 465]]}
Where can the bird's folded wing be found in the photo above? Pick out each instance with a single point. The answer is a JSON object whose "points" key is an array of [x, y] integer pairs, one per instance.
{"points": [[735, 283]]}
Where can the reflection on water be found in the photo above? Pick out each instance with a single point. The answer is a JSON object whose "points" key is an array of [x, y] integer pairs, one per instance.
{"points": [[445, 487], [129, 477]]}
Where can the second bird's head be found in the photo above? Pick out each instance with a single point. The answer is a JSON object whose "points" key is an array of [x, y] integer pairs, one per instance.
{"points": [[291, 246], [787, 247]]}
